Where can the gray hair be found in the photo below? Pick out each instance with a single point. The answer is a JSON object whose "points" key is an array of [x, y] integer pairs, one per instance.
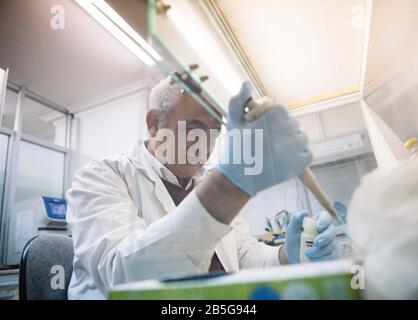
{"points": [[163, 97]]}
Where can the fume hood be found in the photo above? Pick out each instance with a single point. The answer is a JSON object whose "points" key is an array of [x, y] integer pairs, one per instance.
{"points": [[309, 56]]}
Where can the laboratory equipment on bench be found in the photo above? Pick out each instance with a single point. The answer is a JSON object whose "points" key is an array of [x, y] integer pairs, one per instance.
{"points": [[32, 217], [253, 109], [276, 227]]}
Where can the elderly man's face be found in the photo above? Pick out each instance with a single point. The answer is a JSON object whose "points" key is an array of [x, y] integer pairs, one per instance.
{"points": [[183, 119]]}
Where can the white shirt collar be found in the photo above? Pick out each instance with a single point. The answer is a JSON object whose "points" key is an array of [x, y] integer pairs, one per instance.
{"points": [[162, 171]]}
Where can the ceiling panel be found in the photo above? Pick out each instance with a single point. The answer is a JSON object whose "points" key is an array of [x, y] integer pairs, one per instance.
{"points": [[302, 51], [72, 65], [393, 37]]}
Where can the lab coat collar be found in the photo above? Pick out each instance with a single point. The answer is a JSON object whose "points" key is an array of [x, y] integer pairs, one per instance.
{"points": [[155, 171], [162, 171]]}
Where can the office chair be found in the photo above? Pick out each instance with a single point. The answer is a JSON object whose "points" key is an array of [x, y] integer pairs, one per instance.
{"points": [[46, 266]]}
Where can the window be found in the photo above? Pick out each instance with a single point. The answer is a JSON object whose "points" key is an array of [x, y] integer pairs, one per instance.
{"points": [[40, 172], [43, 123]]}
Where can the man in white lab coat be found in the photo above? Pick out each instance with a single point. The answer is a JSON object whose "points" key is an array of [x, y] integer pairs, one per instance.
{"points": [[138, 216]]}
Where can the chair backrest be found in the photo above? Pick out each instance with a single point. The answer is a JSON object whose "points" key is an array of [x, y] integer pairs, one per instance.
{"points": [[45, 268]]}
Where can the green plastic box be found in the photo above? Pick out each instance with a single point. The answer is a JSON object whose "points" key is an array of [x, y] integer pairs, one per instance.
{"points": [[324, 280]]}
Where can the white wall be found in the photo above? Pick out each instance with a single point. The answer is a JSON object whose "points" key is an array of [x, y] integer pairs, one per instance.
{"points": [[111, 128], [333, 122]]}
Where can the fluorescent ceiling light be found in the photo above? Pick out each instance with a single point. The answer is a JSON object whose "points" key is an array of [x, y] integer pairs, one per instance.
{"points": [[120, 29], [197, 35]]}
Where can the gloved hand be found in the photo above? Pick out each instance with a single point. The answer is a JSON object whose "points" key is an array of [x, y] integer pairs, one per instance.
{"points": [[323, 243], [280, 155]]}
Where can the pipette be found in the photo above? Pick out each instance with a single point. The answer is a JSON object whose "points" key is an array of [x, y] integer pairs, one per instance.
{"points": [[255, 108]]}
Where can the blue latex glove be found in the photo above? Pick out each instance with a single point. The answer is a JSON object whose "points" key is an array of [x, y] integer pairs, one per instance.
{"points": [[292, 241], [283, 154], [323, 243]]}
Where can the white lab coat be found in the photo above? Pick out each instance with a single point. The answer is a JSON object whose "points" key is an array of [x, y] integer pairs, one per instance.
{"points": [[126, 227]]}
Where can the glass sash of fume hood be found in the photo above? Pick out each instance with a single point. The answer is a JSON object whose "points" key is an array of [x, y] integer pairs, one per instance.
{"points": [[195, 54], [391, 74]]}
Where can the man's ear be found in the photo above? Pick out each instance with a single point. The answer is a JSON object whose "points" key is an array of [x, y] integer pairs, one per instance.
{"points": [[152, 122]]}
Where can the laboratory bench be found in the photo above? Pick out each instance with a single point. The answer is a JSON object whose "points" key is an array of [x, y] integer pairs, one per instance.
{"points": [[9, 284]]}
